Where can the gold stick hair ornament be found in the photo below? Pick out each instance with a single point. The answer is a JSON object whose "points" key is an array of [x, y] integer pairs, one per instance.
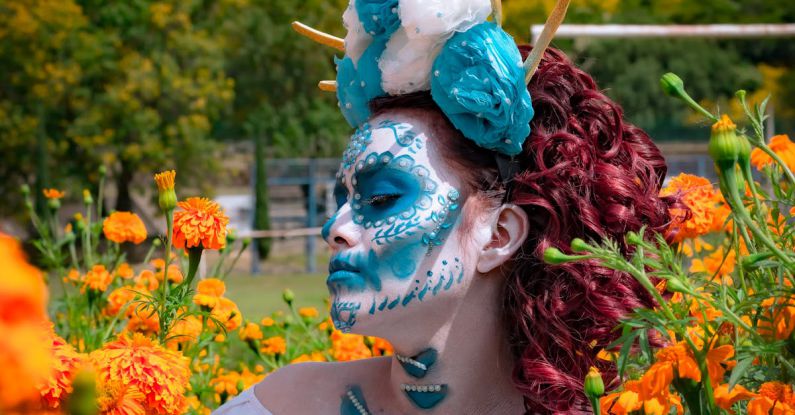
{"points": [[471, 66]]}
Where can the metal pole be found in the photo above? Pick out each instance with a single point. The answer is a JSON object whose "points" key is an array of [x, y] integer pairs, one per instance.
{"points": [[668, 31], [311, 220]]}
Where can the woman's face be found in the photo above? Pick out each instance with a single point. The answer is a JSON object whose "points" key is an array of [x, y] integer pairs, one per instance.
{"points": [[397, 256]]}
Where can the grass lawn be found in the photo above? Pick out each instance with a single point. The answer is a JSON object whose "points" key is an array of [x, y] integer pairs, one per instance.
{"points": [[259, 296]]}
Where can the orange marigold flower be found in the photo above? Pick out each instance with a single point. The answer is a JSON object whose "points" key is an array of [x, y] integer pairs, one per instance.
{"points": [[698, 194], [53, 193], [778, 318], [161, 375], [118, 299], [780, 145], [250, 332], [773, 398], [227, 312], [66, 364], [146, 280], [624, 402], [675, 359], [719, 265], [174, 274], [208, 291], [121, 227], [23, 294], [225, 383], [345, 347], [274, 345], [125, 271], [201, 223], [165, 180], [26, 361], [143, 320], [98, 279], [185, 330], [267, 322], [725, 399], [158, 263], [308, 312], [314, 357], [381, 347], [73, 276], [116, 398]]}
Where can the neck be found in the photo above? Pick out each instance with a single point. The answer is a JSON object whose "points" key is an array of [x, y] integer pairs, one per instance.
{"points": [[473, 364]]}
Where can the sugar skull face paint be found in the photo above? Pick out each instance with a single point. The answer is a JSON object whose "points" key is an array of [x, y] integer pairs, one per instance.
{"points": [[393, 238]]}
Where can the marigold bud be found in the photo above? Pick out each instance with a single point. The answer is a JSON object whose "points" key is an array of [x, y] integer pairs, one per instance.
{"points": [[578, 245], [672, 85], [25, 190], [167, 197], [87, 198], [677, 286], [54, 204], [553, 256], [288, 296], [594, 385], [103, 171], [724, 144]]}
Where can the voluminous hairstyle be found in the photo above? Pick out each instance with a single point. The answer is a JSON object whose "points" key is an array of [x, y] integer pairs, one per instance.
{"points": [[585, 173]]}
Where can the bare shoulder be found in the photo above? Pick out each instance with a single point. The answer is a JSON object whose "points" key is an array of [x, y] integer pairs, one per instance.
{"points": [[314, 387]]}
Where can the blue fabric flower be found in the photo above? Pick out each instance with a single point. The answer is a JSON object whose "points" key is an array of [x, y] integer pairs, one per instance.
{"points": [[350, 93], [356, 87], [379, 17], [369, 72], [479, 82]]}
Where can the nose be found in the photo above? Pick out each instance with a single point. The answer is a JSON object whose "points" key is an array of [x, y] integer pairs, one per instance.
{"points": [[339, 231]]}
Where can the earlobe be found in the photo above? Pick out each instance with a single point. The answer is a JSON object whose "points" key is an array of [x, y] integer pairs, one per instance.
{"points": [[509, 233]]}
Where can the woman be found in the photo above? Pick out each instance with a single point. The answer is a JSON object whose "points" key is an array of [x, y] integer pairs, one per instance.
{"points": [[437, 247]]}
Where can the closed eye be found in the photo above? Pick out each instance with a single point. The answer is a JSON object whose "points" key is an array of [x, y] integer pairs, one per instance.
{"points": [[382, 200]]}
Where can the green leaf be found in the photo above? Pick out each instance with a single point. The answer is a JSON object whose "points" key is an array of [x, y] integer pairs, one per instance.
{"points": [[739, 370]]}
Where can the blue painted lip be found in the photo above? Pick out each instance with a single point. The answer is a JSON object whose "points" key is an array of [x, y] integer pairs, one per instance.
{"points": [[337, 264], [345, 278]]}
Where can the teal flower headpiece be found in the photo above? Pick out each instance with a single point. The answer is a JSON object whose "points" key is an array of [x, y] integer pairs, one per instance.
{"points": [[472, 67]]}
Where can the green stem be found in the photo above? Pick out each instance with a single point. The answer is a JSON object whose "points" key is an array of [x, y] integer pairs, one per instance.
{"points": [[194, 258], [728, 175], [595, 405], [696, 106], [234, 262]]}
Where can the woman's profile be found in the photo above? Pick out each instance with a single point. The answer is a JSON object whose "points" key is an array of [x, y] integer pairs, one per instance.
{"points": [[460, 174]]}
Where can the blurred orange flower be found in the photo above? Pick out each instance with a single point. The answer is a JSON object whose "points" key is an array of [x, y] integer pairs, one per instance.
{"points": [[208, 292], [184, 331], [624, 402], [53, 193], [778, 318], [118, 299], [725, 399], [313, 357], [380, 346], [780, 145], [146, 280], [274, 345], [773, 398], [143, 320], [201, 223], [125, 271], [345, 347], [267, 322], [250, 332], [700, 197], [66, 364], [174, 274], [97, 279], [121, 227], [718, 265], [227, 312], [308, 312], [160, 375]]}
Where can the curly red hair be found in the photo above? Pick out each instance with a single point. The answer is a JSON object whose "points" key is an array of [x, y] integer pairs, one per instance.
{"points": [[585, 173]]}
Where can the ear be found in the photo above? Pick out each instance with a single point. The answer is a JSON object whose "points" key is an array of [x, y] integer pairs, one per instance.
{"points": [[508, 234]]}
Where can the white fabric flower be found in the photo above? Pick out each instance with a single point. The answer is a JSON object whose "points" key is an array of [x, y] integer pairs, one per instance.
{"points": [[357, 39], [406, 63], [442, 17]]}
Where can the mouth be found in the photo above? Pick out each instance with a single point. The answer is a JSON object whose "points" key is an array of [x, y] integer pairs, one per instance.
{"points": [[344, 274]]}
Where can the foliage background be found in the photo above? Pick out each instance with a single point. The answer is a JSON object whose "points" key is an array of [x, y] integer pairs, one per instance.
{"points": [[140, 83]]}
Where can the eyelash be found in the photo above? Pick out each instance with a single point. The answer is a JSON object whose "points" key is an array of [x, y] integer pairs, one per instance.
{"points": [[378, 200]]}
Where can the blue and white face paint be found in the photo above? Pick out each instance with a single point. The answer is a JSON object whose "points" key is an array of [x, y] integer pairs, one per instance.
{"points": [[394, 241]]}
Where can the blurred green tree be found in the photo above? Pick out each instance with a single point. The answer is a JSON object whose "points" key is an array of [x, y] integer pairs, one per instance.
{"points": [[133, 85]]}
